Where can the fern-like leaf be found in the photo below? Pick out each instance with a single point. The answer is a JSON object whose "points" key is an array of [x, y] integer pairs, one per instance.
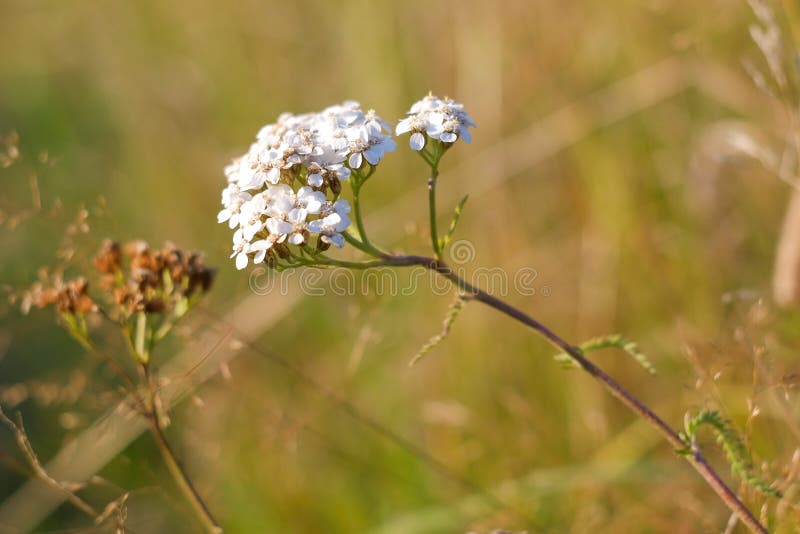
{"points": [[452, 313], [453, 223], [732, 445], [613, 341]]}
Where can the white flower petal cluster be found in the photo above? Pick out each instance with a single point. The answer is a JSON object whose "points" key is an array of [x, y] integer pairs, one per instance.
{"points": [[315, 151], [442, 119], [327, 144]]}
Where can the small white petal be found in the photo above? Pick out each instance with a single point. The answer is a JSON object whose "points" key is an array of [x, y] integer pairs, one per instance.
{"points": [[315, 226], [337, 240], [341, 206], [273, 175], [343, 173], [224, 215], [404, 126], [315, 180], [434, 130], [373, 154], [241, 261], [313, 206], [448, 137], [296, 239], [416, 141], [355, 160], [334, 239], [344, 222], [297, 215], [261, 244], [332, 220], [436, 119], [278, 227]]}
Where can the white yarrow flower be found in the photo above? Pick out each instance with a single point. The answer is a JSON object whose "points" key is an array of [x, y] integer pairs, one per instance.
{"points": [[432, 117], [284, 191], [233, 198]]}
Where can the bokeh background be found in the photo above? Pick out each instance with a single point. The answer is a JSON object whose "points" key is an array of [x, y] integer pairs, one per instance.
{"points": [[603, 160]]}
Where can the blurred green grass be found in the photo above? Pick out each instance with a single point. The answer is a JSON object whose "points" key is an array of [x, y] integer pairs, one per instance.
{"points": [[144, 103]]}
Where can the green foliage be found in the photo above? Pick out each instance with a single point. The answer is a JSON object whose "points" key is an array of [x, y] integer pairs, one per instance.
{"points": [[613, 341], [452, 313], [735, 450], [453, 223]]}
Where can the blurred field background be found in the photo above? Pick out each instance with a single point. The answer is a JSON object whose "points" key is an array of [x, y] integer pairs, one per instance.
{"points": [[602, 159]]}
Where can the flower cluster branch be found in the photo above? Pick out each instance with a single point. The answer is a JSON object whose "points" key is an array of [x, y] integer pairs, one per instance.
{"points": [[294, 172], [144, 293]]}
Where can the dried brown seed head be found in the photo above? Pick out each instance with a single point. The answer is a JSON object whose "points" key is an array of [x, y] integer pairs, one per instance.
{"points": [[108, 259], [74, 298]]}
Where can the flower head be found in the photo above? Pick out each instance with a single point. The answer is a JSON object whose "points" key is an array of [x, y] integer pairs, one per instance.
{"points": [[437, 118], [285, 188]]}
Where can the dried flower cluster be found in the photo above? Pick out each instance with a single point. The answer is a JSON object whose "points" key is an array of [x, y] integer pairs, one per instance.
{"points": [[437, 118], [134, 278], [142, 279], [287, 185], [69, 298]]}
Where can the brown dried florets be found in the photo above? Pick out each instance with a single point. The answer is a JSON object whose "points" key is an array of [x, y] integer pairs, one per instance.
{"points": [[71, 297], [155, 277], [108, 259], [133, 278], [74, 298]]}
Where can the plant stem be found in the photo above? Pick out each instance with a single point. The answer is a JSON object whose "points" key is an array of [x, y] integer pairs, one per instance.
{"points": [[359, 221], [25, 446], [179, 475], [695, 457], [356, 243], [366, 245], [432, 211]]}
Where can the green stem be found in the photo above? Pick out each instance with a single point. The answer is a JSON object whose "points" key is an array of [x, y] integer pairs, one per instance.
{"points": [[356, 243], [432, 159], [358, 180], [142, 353], [362, 232], [437, 252], [330, 262]]}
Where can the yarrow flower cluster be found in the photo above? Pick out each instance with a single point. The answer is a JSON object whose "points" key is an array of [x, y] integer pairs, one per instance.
{"points": [[437, 118], [288, 184]]}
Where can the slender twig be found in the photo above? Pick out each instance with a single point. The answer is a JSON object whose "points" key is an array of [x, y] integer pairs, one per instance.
{"points": [[67, 489], [694, 455], [179, 475], [25, 446], [690, 449]]}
